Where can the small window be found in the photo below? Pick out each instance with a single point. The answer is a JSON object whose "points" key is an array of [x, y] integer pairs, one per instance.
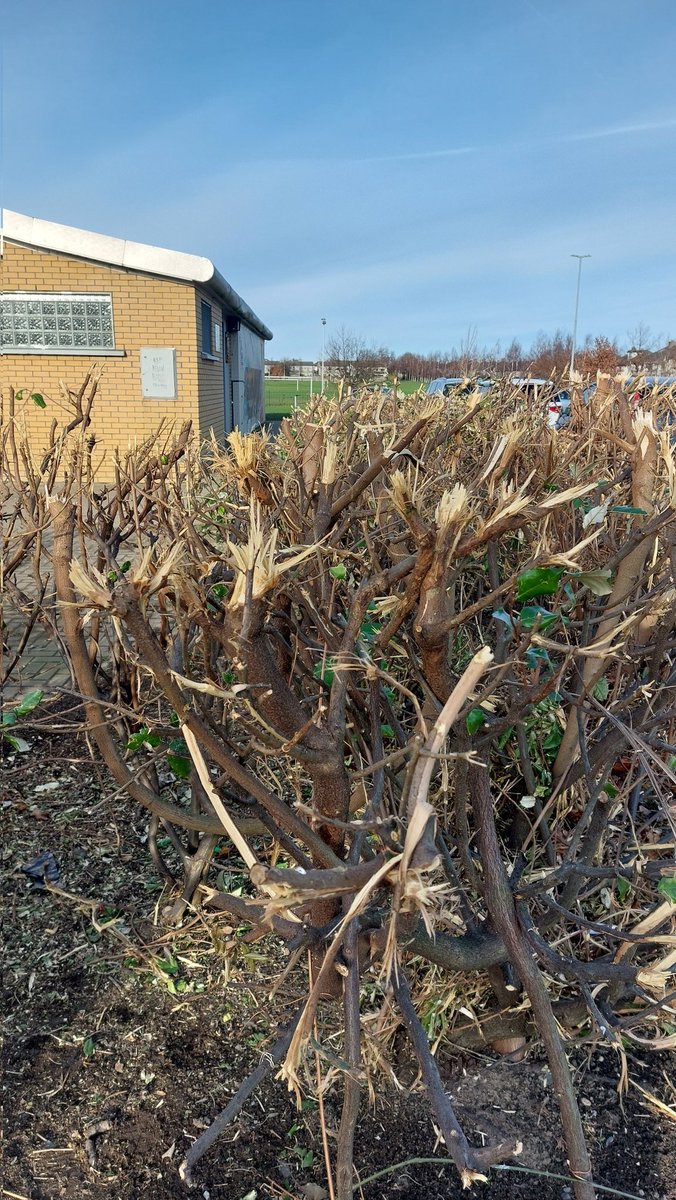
{"points": [[217, 338], [53, 323], [207, 327]]}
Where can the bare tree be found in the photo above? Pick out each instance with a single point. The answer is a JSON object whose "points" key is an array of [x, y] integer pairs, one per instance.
{"points": [[469, 350], [350, 358], [550, 354], [513, 357], [641, 338]]}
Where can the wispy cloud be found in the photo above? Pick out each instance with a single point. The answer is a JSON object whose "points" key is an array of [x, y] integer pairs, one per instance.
{"points": [[620, 130], [420, 154], [527, 258], [589, 135]]}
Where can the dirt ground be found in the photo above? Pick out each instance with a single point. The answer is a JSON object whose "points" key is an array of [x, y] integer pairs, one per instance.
{"points": [[123, 1040]]}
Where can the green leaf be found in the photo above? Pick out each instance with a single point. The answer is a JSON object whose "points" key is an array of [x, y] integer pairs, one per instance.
{"points": [[38, 400], [475, 718], [179, 765], [125, 566], [611, 790], [168, 964], [143, 738], [504, 737], [622, 887], [88, 1047], [29, 702], [327, 674], [629, 508], [667, 887], [553, 739], [530, 613], [387, 731], [601, 690], [501, 614], [369, 630], [536, 657], [338, 572], [539, 581], [598, 582], [8, 718], [17, 743]]}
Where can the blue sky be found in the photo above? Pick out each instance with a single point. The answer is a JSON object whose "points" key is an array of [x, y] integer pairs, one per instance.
{"points": [[405, 170]]}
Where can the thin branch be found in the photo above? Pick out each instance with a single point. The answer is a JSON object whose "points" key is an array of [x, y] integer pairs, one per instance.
{"points": [[269, 1060]]}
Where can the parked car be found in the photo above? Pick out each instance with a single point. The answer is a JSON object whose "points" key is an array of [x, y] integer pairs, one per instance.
{"points": [[531, 386], [458, 386], [558, 410], [646, 385], [558, 406]]}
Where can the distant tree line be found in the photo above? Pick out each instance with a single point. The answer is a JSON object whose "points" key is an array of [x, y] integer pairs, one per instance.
{"points": [[348, 356]]}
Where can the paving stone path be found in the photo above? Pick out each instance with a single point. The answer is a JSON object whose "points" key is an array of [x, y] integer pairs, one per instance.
{"points": [[42, 664]]}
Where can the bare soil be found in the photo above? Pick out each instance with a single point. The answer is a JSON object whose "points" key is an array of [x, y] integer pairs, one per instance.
{"points": [[124, 1039]]}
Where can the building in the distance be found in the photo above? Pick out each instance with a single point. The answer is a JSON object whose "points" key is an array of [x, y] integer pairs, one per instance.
{"points": [[174, 339]]}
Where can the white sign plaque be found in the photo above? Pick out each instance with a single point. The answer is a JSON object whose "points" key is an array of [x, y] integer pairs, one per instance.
{"points": [[158, 372]]}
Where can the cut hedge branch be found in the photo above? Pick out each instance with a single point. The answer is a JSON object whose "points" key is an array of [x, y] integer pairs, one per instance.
{"points": [[415, 669]]}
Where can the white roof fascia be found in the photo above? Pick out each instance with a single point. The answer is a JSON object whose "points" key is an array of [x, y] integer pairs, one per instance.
{"points": [[117, 252], [131, 256]]}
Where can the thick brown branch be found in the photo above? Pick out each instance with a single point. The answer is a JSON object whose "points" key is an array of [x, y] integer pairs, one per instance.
{"points": [[501, 907], [468, 1161]]}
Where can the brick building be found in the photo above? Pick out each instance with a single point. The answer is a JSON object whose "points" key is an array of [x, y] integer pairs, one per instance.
{"points": [[174, 339]]}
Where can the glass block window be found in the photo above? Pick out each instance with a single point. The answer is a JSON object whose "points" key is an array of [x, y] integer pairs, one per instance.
{"points": [[49, 322]]}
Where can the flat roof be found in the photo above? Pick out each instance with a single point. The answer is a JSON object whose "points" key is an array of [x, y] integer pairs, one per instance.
{"points": [[131, 256]]}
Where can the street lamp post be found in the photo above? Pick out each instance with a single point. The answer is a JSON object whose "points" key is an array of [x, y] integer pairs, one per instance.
{"points": [[579, 258], [323, 349]]}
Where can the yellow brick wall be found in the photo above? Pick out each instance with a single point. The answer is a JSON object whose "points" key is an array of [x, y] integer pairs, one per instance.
{"points": [[147, 311]]}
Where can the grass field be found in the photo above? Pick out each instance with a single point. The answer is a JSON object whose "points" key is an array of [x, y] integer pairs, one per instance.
{"points": [[282, 395], [409, 386]]}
